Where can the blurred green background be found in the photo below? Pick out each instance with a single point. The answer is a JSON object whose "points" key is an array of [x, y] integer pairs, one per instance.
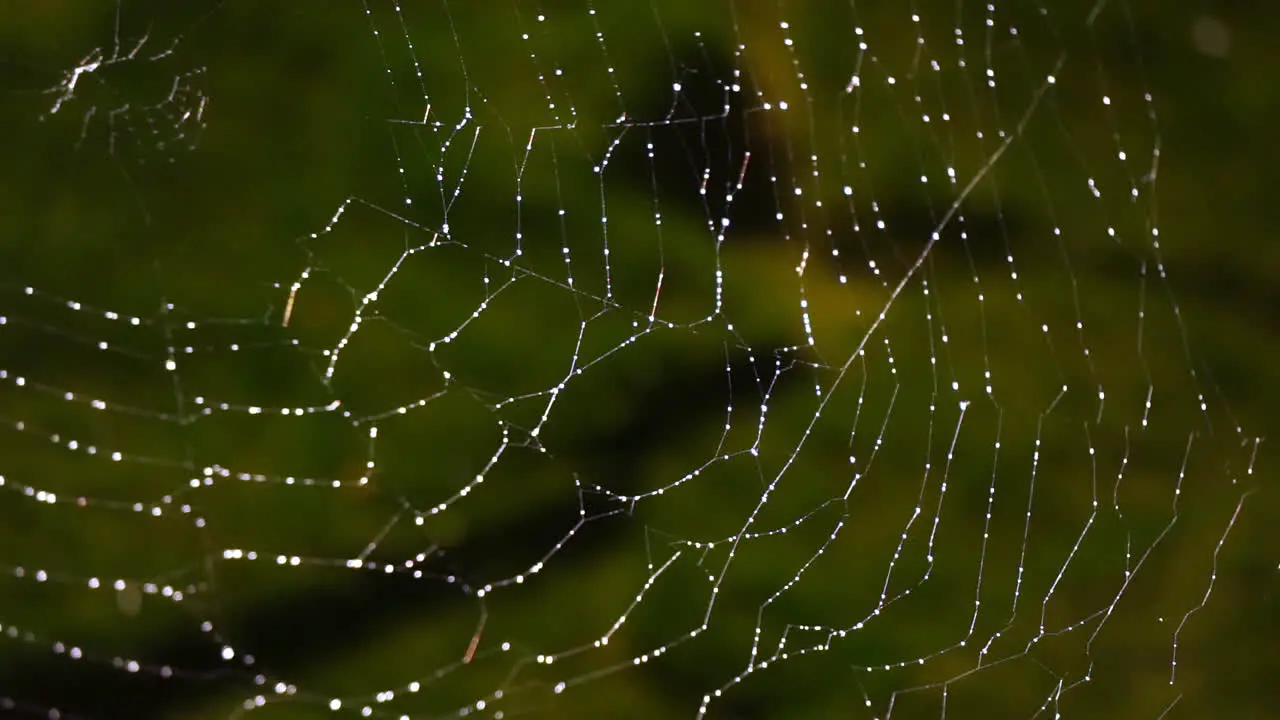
{"points": [[192, 175]]}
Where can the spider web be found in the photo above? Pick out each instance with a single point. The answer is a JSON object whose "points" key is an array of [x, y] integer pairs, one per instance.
{"points": [[655, 359]]}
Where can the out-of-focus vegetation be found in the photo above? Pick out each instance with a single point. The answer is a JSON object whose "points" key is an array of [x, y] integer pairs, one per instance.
{"points": [[122, 202]]}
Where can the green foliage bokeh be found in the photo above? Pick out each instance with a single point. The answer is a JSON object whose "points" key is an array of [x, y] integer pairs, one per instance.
{"points": [[297, 125]]}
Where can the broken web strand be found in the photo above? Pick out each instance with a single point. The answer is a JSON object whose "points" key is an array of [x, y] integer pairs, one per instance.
{"points": [[171, 124]]}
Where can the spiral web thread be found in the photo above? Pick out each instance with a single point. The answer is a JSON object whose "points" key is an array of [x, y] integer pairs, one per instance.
{"points": [[887, 402]]}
